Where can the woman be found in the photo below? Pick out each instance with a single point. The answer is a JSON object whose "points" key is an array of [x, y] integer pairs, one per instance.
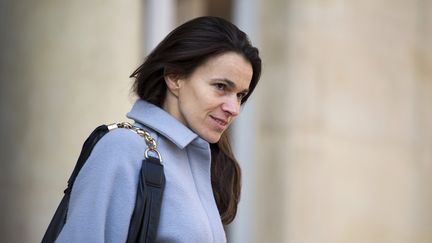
{"points": [[190, 89]]}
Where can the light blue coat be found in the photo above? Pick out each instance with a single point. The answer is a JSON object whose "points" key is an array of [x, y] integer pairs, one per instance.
{"points": [[103, 195]]}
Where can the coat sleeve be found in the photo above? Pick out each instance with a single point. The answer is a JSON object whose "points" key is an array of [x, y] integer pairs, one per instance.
{"points": [[103, 196]]}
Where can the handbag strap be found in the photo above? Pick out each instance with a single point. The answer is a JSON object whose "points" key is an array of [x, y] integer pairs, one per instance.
{"points": [[151, 143], [97, 134], [86, 150], [145, 217], [60, 215]]}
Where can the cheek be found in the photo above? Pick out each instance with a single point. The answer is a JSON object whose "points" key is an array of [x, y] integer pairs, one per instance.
{"points": [[197, 102], [192, 110], [203, 100]]}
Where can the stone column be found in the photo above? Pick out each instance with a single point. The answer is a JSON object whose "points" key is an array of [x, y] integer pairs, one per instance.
{"points": [[422, 142], [64, 70], [345, 122], [160, 19]]}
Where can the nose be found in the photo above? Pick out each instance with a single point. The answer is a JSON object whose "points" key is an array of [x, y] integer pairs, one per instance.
{"points": [[231, 106]]}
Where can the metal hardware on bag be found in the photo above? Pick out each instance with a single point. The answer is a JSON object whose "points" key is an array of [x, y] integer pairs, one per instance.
{"points": [[112, 126], [151, 143], [154, 151]]}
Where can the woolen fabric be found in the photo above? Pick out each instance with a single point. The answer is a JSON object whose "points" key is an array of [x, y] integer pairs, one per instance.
{"points": [[103, 196]]}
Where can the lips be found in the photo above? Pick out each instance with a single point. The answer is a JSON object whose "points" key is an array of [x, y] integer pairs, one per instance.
{"points": [[220, 122]]}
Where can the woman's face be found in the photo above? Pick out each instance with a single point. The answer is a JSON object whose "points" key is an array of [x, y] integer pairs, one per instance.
{"points": [[208, 100]]}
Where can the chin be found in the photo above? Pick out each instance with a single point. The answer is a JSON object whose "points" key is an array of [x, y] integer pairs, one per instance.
{"points": [[212, 138]]}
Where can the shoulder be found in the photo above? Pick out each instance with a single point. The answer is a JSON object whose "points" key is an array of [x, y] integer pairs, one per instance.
{"points": [[121, 140], [118, 148]]}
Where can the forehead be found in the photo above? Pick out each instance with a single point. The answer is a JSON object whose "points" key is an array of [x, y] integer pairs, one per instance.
{"points": [[230, 65], [227, 59]]}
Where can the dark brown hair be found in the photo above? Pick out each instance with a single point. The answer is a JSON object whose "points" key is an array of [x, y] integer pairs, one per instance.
{"points": [[181, 52]]}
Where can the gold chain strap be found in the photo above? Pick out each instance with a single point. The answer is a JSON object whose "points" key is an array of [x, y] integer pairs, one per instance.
{"points": [[151, 143]]}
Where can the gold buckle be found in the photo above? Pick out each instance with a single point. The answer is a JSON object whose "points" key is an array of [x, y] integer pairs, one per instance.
{"points": [[151, 143]]}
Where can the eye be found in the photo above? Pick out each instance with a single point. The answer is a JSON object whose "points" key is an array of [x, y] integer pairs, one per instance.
{"points": [[220, 86], [240, 96]]}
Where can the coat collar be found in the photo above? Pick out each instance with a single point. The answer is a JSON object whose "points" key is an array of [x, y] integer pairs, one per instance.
{"points": [[162, 122]]}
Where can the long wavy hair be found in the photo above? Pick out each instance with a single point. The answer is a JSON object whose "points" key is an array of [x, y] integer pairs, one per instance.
{"points": [[181, 52]]}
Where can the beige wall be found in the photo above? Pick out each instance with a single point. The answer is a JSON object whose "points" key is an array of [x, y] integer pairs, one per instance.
{"points": [[64, 70], [342, 150], [346, 122]]}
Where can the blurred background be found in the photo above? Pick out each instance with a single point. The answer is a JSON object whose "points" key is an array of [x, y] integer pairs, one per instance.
{"points": [[335, 145]]}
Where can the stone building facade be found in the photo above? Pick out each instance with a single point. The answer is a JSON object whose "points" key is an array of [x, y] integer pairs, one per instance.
{"points": [[336, 144]]}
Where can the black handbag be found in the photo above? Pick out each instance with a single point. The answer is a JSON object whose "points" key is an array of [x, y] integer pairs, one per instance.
{"points": [[145, 217]]}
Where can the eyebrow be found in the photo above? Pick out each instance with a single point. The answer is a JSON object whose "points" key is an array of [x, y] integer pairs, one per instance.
{"points": [[230, 83]]}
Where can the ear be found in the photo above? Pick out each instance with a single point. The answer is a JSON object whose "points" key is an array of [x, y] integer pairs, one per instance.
{"points": [[173, 82]]}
